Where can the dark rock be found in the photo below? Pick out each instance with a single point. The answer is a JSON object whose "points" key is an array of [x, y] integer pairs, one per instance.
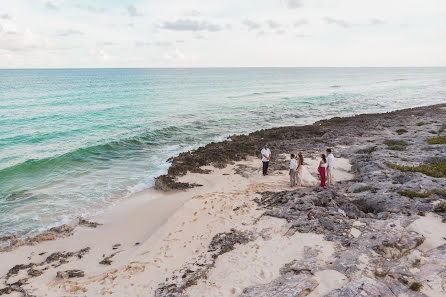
{"points": [[107, 260], [34, 272], [168, 183], [351, 210], [382, 215], [225, 242], [84, 222], [16, 269], [69, 274]]}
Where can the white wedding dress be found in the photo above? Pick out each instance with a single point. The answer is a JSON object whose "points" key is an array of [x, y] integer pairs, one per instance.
{"points": [[304, 178]]}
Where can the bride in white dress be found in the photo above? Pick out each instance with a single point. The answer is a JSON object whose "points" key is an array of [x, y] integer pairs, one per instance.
{"points": [[303, 176]]}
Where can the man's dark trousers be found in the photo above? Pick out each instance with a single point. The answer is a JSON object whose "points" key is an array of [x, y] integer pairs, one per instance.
{"points": [[265, 168]]}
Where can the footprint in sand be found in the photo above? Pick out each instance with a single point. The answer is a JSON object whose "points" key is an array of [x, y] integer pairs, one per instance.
{"points": [[262, 275]]}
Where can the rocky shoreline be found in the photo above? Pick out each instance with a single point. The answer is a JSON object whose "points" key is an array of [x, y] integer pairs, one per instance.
{"points": [[369, 218], [380, 233], [282, 140]]}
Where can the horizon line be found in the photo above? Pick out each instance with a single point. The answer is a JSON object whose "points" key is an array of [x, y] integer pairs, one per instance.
{"points": [[214, 67]]}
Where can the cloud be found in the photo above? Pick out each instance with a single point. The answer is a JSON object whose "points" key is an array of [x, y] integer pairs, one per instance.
{"points": [[375, 21], [89, 8], [174, 55], [51, 5], [339, 22], [142, 43], [152, 43], [107, 43], [300, 22], [192, 13], [190, 25], [5, 16], [272, 24], [293, 4], [15, 41], [100, 53], [251, 25], [133, 11], [69, 32]]}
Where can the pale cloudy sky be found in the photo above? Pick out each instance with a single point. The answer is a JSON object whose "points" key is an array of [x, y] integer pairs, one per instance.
{"points": [[223, 33]]}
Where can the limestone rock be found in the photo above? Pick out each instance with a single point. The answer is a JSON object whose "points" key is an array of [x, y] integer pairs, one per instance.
{"points": [[289, 285]]}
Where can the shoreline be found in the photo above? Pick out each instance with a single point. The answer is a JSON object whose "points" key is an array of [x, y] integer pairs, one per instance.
{"points": [[167, 182], [227, 171]]}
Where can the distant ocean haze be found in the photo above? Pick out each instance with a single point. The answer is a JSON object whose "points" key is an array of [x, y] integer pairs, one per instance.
{"points": [[74, 140]]}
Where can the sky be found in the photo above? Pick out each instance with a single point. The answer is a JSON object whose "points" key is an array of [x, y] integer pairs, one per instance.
{"points": [[222, 33]]}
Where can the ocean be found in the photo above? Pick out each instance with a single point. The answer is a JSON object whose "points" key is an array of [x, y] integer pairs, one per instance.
{"points": [[73, 141]]}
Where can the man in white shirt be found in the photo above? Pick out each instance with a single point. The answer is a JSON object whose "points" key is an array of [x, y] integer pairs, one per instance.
{"points": [[293, 168], [266, 156], [330, 167]]}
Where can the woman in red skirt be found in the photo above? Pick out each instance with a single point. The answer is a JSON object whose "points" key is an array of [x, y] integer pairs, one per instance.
{"points": [[321, 169]]}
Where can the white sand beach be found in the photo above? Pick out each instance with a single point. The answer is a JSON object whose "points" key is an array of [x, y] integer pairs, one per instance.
{"points": [[157, 233]]}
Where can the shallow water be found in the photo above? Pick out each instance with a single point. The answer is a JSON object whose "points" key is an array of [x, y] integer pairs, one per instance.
{"points": [[74, 140]]}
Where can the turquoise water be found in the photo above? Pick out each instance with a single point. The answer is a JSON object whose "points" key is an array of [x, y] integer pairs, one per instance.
{"points": [[74, 140]]}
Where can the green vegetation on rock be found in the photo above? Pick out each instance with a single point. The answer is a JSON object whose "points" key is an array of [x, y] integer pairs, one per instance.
{"points": [[363, 189], [416, 286], [441, 193], [437, 140], [435, 168], [413, 194], [422, 123], [440, 207], [396, 145], [367, 150], [401, 131]]}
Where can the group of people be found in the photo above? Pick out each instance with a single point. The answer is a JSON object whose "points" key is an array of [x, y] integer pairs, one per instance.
{"points": [[297, 176]]}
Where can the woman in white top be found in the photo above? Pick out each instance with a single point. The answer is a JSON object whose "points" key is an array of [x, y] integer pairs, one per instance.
{"points": [[321, 169]]}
